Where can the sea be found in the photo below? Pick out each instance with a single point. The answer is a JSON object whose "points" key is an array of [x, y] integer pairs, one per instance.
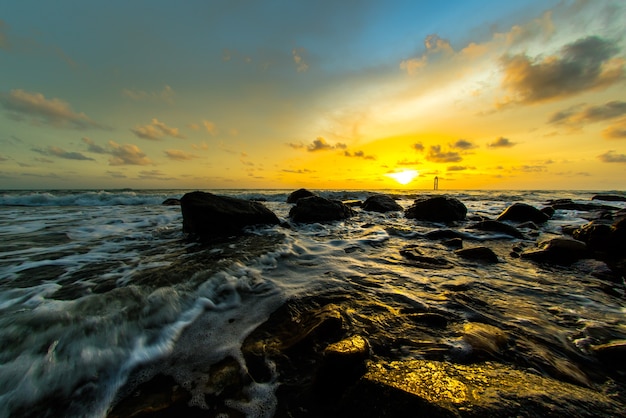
{"points": [[100, 290]]}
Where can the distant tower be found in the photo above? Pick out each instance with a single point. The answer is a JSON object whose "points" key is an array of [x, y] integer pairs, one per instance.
{"points": [[436, 183]]}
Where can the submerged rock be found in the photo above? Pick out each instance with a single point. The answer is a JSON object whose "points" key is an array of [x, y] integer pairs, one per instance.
{"points": [[206, 214], [299, 194], [522, 212], [418, 259], [319, 209], [562, 251], [437, 209], [381, 203], [497, 226], [443, 389], [609, 198], [478, 253]]}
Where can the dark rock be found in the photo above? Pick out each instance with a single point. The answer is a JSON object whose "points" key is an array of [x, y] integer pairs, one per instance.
{"points": [[443, 389], [381, 203], [563, 251], [613, 353], [528, 225], [454, 243], [420, 260], [299, 194], [437, 209], [496, 226], [522, 212], [596, 235], [548, 210], [609, 198], [353, 203], [443, 234], [205, 214], [486, 340], [568, 204], [171, 202], [319, 209], [478, 253]]}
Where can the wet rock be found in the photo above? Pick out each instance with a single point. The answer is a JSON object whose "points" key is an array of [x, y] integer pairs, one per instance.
{"points": [[299, 194], [596, 235], [171, 202], [454, 243], [443, 234], [381, 203], [563, 251], [568, 204], [206, 214], [548, 210], [437, 209], [418, 259], [613, 353], [609, 198], [486, 340], [353, 203], [478, 253], [319, 209], [443, 389], [499, 227], [522, 212]]}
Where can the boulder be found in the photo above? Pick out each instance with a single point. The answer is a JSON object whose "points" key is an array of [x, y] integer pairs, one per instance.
{"points": [[478, 253], [562, 251], [596, 235], [171, 202], [609, 198], [206, 214], [319, 209], [499, 227], [381, 203], [522, 212], [299, 194], [437, 209]]}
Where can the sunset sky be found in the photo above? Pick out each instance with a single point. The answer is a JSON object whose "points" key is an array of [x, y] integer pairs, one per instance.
{"points": [[317, 94]]}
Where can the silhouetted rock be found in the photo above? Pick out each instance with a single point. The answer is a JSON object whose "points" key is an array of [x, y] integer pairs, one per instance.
{"points": [[496, 226], [299, 194], [319, 209], [381, 203], [418, 259], [562, 251], [609, 198], [437, 209], [522, 212], [569, 204], [596, 235], [206, 214], [171, 202], [478, 253]]}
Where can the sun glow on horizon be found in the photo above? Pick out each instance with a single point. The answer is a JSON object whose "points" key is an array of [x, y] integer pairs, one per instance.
{"points": [[404, 177]]}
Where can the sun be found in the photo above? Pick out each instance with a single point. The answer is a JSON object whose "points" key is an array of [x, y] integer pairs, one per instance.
{"points": [[404, 177]]}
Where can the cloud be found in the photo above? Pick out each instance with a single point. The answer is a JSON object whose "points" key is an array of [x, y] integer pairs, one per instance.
{"points": [[502, 142], [612, 157], [418, 146], [61, 153], [38, 110], [435, 46], [178, 155], [154, 175], [617, 131], [116, 174], [4, 40], [297, 54], [201, 146], [577, 116], [165, 95], [210, 127], [92, 147], [358, 154], [127, 154], [435, 155], [156, 131], [583, 65], [463, 144], [300, 171], [295, 146], [320, 144], [459, 168]]}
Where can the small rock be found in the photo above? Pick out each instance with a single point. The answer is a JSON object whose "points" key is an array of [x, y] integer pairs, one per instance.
{"points": [[171, 202], [454, 243], [422, 261], [299, 194], [478, 253], [381, 203], [522, 212], [609, 198]]}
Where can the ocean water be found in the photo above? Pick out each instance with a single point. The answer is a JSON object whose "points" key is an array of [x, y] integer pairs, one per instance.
{"points": [[101, 290]]}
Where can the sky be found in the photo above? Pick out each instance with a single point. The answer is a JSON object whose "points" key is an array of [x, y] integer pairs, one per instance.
{"points": [[317, 94]]}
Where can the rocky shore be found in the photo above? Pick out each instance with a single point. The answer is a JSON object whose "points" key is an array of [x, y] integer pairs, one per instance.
{"points": [[331, 361]]}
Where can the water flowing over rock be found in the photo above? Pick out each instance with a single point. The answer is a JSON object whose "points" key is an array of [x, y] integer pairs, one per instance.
{"points": [[497, 226], [319, 209], [563, 251], [206, 214], [381, 203], [299, 194], [437, 209], [522, 212], [478, 253]]}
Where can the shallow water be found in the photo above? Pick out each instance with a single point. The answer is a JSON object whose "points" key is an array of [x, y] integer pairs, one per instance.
{"points": [[97, 288]]}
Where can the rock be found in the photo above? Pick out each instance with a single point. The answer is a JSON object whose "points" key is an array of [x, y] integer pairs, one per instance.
{"points": [[522, 212], [478, 253], [568, 204], [613, 353], [438, 234], [454, 243], [496, 226], [353, 203], [596, 235], [171, 202], [381, 203], [417, 259], [437, 209], [299, 194], [343, 363], [319, 209], [563, 251], [609, 198], [485, 340], [206, 214], [443, 389]]}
